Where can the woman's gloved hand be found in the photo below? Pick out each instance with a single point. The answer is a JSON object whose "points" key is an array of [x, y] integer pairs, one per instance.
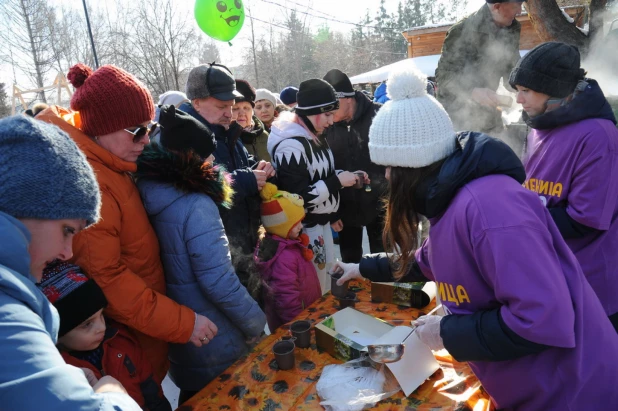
{"points": [[350, 271], [428, 330]]}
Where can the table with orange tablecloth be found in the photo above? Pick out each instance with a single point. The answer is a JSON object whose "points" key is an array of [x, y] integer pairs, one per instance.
{"points": [[254, 382]]}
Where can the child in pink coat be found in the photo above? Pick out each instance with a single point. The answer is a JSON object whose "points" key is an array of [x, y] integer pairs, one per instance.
{"points": [[289, 280]]}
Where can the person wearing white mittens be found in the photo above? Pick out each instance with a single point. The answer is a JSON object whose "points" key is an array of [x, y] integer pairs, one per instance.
{"points": [[518, 307]]}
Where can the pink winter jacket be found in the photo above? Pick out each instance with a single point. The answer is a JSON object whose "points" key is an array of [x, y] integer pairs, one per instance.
{"points": [[289, 281]]}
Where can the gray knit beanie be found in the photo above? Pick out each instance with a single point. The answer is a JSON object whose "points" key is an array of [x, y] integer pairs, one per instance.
{"points": [[43, 175]]}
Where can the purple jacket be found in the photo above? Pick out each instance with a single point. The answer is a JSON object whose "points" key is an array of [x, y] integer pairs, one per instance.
{"points": [[289, 281], [496, 247], [572, 164]]}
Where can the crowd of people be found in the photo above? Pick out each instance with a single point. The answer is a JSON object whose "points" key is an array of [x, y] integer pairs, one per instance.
{"points": [[140, 240]]}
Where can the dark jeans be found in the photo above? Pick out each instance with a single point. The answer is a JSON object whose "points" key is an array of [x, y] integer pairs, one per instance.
{"points": [[185, 396], [351, 241]]}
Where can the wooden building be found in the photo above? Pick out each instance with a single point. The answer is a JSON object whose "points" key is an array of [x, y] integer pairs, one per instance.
{"points": [[427, 40]]}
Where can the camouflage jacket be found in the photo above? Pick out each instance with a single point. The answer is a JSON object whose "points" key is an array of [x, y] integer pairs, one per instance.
{"points": [[476, 54]]}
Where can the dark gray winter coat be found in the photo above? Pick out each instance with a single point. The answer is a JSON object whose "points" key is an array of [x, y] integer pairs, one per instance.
{"points": [[349, 144], [476, 54]]}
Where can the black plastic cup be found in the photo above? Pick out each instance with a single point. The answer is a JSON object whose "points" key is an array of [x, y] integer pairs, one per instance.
{"points": [[349, 300], [338, 290], [284, 354], [360, 180], [302, 331]]}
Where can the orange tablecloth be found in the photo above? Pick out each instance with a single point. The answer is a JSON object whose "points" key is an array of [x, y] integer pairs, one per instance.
{"points": [[254, 382]]}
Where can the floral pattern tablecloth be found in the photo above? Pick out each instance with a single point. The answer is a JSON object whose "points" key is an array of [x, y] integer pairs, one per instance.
{"points": [[254, 382]]}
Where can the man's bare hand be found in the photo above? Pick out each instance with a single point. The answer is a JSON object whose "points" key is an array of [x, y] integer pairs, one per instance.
{"points": [[485, 97]]}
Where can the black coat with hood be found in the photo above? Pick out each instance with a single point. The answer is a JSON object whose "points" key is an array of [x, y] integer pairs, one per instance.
{"points": [[182, 196], [477, 155], [349, 143]]}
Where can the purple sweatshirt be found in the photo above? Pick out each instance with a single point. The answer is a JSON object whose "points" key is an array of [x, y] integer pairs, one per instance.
{"points": [[576, 166], [496, 246]]}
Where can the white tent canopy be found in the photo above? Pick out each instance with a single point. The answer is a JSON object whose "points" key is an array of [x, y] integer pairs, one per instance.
{"points": [[426, 64]]}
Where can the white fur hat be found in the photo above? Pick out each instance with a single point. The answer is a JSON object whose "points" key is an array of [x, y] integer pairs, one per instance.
{"points": [[172, 97], [263, 94], [412, 129]]}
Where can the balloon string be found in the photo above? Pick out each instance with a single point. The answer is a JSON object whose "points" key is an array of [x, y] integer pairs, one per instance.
{"points": [[230, 43]]}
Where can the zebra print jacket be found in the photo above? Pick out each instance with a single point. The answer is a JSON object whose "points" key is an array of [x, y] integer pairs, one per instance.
{"points": [[306, 168]]}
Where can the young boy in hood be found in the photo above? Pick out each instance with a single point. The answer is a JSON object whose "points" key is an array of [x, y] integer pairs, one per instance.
{"points": [[85, 341], [572, 160], [290, 282]]}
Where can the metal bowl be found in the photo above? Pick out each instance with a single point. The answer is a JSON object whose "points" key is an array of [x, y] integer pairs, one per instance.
{"points": [[385, 353]]}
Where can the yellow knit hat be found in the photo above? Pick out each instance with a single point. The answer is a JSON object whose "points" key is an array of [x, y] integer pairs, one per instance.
{"points": [[280, 210]]}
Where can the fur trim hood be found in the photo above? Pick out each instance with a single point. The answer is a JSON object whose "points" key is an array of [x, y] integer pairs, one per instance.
{"points": [[187, 172], [286, 126]]}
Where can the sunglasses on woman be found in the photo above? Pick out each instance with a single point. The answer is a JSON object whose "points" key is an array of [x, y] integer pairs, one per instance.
{"points": [[141, 131]]}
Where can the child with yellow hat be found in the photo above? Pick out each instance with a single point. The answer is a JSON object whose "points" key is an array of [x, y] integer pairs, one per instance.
{"points": [[289, 279]]}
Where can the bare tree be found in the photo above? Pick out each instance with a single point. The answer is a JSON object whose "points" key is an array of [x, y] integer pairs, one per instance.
{"points": [[27, 35], [253, 50], [208, 52], [156, 47], [5, 107]]}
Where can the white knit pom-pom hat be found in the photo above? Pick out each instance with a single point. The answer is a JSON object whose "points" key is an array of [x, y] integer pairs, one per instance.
{"points": [[412, 129]]}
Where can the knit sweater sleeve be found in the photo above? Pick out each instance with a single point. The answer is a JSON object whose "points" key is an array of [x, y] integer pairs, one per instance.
{"points": [[131, 301], [292, 164]]}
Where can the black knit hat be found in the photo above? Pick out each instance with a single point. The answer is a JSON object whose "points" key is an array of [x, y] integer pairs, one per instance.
{"points": [[75, 296], [182, 132], [247, 90], [550, 68], [341, 83], [314, 97]]}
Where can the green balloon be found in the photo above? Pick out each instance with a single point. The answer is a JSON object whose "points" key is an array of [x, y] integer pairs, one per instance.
{"points": [[220, 19]]}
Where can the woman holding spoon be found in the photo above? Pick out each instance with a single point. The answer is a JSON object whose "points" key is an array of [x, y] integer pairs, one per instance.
{"points": [[519, 309]]}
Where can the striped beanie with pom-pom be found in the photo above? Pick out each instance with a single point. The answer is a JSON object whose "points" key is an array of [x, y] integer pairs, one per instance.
{"points": [[75, 296], [280, 210]]}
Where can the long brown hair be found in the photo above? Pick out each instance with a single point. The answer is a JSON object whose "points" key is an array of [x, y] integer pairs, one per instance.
{"points": [[400, 235]]}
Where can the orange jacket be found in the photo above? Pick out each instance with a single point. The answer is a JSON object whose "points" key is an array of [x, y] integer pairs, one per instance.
{"points": [[121, 252]]}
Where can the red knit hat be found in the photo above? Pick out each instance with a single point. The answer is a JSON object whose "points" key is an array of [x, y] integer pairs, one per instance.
{"points": [[109, 99]]}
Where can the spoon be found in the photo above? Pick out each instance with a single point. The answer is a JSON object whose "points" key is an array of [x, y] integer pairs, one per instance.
{"points": [[387, 353]]}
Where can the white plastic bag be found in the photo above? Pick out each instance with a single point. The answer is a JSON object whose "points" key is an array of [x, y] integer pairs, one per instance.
{"points": [[355, 385]]}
